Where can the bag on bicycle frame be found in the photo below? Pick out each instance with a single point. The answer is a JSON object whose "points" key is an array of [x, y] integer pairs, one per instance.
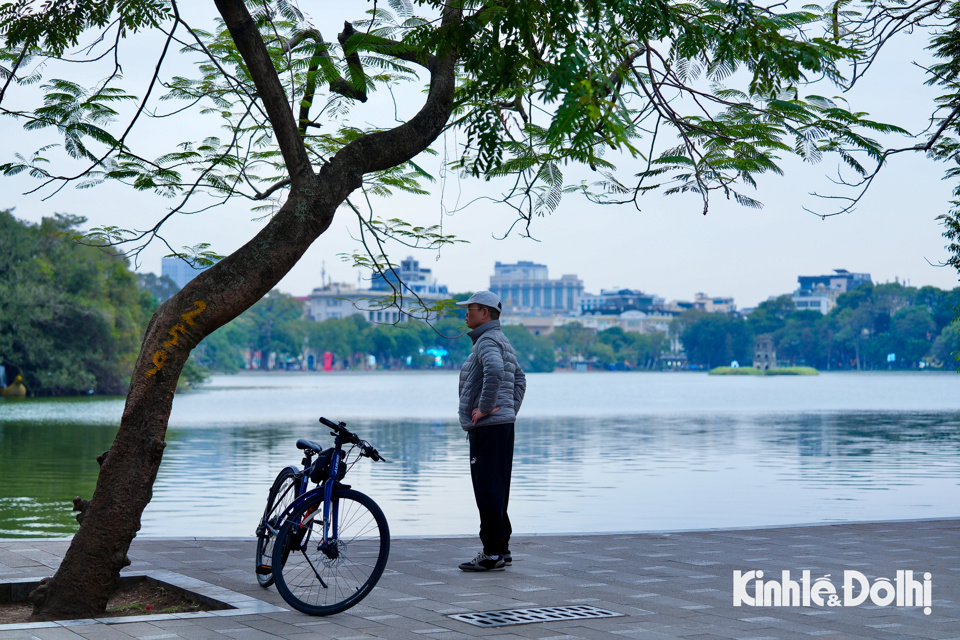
{"points": [[320, 469]]}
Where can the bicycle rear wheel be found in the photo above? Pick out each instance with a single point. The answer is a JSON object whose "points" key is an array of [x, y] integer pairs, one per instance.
{"points": [[283, 492], [322, 580]]}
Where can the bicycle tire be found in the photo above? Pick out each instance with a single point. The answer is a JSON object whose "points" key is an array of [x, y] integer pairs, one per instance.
{"points": [[283, 492], [363, 548]]}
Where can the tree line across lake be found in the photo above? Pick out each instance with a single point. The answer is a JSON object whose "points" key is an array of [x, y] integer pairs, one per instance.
{"points": [[72, 318], [887, 326]]}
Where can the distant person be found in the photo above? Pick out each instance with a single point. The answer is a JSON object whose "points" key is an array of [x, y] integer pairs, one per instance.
{"points": [[492, 385]]}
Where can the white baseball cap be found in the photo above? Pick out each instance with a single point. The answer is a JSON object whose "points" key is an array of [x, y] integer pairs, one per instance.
{"points": [[485, 298]]}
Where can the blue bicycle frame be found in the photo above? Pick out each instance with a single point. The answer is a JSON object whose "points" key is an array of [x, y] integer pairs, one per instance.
{"points": [[330, 509]]}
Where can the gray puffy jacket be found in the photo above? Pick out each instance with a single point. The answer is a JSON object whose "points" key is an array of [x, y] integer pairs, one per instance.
{"points": [[491, 377]]}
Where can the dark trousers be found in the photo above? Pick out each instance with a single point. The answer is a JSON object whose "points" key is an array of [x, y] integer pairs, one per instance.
{"points": [[491, 463]]}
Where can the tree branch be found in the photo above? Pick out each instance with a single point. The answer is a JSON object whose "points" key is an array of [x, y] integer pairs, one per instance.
{"points": [[358, 79], [320, 58], [353, 41], [250, 44], [13, 72], [272, 189], [122, 140], [864, 184], [385, 149]]}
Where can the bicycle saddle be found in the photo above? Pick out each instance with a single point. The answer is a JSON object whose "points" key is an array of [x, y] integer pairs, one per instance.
{"points": [[309, 445]]}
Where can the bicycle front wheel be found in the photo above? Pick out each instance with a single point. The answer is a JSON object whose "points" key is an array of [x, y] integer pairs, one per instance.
{"points": [[321, 578], [283, 492]]}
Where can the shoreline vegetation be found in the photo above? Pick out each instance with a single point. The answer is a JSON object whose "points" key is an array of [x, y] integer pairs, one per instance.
{"points": [[753, 371], [73, 317]]}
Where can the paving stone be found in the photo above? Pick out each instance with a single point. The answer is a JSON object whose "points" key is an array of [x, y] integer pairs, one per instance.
{"points": [[47, 634], [676, 585]]}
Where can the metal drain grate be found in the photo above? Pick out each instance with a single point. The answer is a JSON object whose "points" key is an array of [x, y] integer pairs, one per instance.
{"points": [[528, 616]]}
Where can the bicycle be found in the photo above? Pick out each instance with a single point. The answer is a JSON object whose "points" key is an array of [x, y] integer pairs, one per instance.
{"points": [[324, 548]]}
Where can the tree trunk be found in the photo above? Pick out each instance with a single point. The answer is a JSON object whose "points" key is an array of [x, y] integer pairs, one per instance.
{"points": [[111, 519], [109, 522]]}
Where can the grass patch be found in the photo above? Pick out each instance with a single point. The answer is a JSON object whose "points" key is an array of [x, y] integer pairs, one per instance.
{"points": [[793, 371], [738, 371], [753, 371]]}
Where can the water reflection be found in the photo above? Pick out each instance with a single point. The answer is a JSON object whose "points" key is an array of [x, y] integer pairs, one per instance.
{"points": [[586, 471], [42, 467], [599, 474]]}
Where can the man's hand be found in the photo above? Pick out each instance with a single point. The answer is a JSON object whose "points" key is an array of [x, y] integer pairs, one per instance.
{"points": [[476, 415]]}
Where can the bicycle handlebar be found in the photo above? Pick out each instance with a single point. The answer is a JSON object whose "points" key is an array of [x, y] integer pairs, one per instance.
{"points": [[332, 425], [372, 453], [341, 430], [365, 448]]}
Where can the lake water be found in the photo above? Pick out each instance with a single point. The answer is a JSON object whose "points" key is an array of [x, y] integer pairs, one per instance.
{"points": [[596, 452]]}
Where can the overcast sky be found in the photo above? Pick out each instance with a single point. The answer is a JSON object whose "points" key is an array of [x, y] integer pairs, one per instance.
{"points": [[668, 248]]}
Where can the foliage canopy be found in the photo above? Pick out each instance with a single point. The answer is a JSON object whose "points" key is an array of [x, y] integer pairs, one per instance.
{"points": [[71, 316], [868, 323], [702, 96]]}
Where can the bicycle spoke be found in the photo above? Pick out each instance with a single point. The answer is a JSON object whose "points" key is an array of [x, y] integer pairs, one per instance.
{"points": [[324, 581]]}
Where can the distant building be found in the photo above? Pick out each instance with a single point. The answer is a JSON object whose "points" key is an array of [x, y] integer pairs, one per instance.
{"points": [[819, 293], [617, 301], [636, 321], [526, 289], [818, 300], [415, 279], [656, 321], [179, 270], [340, 300], [764, 353], [541, 325], [678, 306], [337, 300], [702, 302], [841, 280], [712, 304]]}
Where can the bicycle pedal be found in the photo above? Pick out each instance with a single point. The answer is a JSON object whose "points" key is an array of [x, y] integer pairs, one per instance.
{"points": [[264, 569]]}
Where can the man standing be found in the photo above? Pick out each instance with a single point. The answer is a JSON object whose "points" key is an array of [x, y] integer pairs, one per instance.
{"points": [[492, 385]]}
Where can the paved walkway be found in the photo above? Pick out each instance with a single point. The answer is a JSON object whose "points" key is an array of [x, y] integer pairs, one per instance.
{"points": [[676, 585]]}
